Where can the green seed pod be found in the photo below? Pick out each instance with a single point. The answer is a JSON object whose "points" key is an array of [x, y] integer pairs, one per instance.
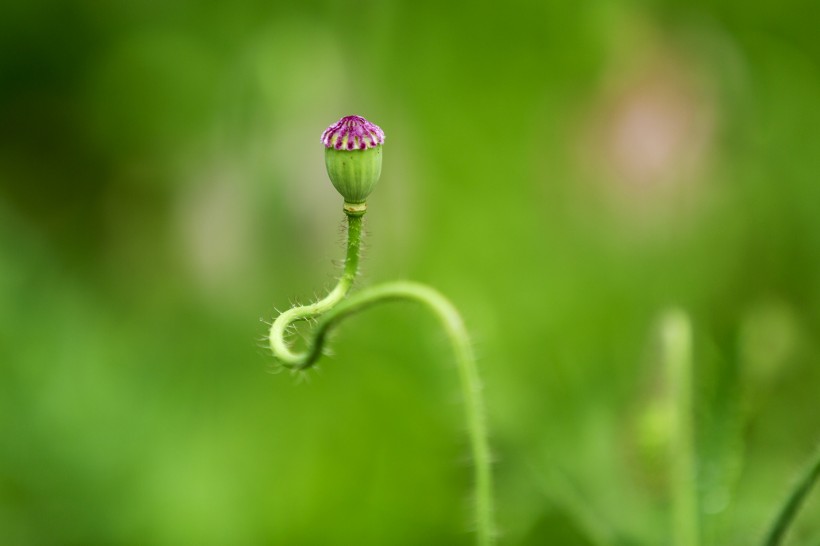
{"points": [[353, 157]]}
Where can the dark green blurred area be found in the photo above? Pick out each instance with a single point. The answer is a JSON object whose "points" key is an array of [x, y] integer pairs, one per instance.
{"points": [[565, 172]]}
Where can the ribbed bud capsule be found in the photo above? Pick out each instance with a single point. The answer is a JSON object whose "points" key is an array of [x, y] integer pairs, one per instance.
{"points": [[353, 157]]}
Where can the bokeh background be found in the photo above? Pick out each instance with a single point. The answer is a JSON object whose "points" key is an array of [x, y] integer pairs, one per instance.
{"points": [[565, 171]]}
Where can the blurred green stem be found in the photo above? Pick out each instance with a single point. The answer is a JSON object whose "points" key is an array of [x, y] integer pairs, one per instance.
{"points": [[793, 502], [334, 308], [677, 348]]}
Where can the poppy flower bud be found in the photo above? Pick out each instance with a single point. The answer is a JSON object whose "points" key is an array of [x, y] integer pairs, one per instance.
{"points": [[353, 157]]}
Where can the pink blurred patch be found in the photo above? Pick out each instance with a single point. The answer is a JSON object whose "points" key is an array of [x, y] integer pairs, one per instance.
{"points": [[648, 138]]}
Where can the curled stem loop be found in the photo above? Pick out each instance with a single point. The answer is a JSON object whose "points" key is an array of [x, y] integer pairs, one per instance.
{"points": [[278, 331]]}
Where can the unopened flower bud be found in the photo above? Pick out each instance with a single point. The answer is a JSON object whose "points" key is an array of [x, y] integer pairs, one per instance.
{"points": [[353, 157]]}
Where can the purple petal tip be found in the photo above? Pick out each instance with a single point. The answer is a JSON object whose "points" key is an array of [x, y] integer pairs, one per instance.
{"points": [[353, 133]]}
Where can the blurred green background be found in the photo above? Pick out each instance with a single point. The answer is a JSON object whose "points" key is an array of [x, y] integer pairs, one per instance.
{"points": [[565, 172]]}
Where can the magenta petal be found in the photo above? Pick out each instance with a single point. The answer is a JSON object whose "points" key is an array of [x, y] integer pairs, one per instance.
{"points": [[360, 133]]}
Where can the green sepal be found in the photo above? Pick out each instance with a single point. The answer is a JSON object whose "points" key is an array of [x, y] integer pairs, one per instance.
{"points": [[354, 173]]}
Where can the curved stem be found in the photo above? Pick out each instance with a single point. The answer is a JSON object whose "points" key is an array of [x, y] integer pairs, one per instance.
{"points": [[279, 328], [793, 503], [467, 371], [333, 308]]}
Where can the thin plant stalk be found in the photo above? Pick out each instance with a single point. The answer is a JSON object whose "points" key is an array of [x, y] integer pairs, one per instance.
{"points": [[793, 502]]}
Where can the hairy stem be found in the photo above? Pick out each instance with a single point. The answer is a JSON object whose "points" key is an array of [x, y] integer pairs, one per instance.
{"points": [[677, 346], [278, 343], [334, 308], [793, 502]]}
